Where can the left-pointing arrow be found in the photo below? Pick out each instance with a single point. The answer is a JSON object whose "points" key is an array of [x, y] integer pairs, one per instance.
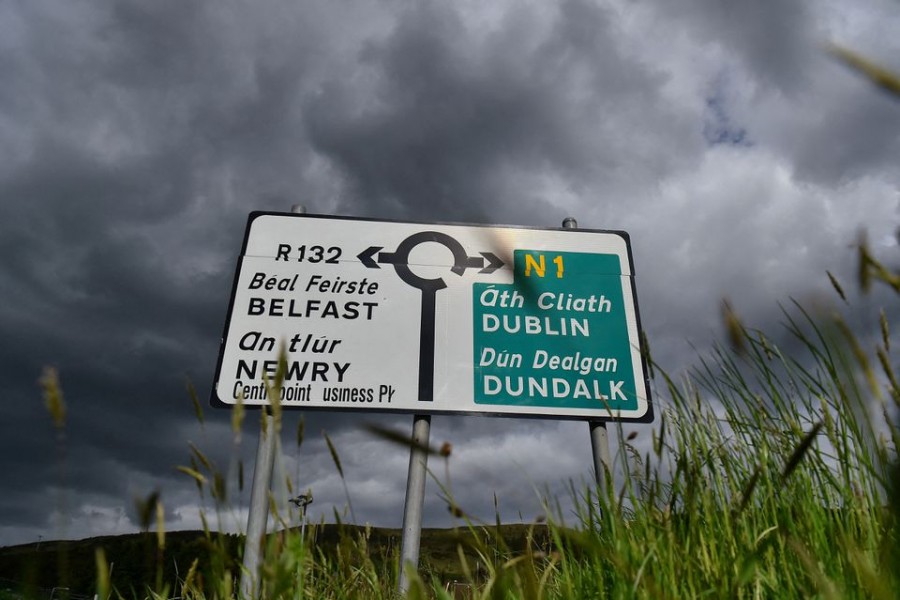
{"points": [[366, 257]]}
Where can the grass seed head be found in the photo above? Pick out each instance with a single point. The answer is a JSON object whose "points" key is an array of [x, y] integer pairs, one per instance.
{"points": [[446, 449], [837, 286], [53, 397], [734, 329]]}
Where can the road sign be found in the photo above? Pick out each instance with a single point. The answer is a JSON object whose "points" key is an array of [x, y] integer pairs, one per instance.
{"points": [[434, 318]]}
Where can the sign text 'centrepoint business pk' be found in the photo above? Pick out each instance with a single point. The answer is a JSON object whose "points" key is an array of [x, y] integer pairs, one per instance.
{"points": [[434, 318]]}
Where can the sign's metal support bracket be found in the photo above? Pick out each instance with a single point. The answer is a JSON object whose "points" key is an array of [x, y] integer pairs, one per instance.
{"points": [[369, 250]]}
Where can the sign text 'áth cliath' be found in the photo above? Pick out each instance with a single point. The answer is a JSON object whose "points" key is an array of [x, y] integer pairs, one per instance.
{"points": [[434, 318]]}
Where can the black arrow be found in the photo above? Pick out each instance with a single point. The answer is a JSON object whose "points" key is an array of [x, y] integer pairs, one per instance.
{"points": [[390, 258], [494, 263], [429, 288], [461, 261], [467, 262], [366, 257]]}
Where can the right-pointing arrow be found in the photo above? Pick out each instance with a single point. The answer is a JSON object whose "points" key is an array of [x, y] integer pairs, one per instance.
{"points": [[494, 263], [467, 262]]}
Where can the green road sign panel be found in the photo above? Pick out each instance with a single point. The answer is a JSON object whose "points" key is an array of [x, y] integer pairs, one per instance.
{"points": [[557, 336]]}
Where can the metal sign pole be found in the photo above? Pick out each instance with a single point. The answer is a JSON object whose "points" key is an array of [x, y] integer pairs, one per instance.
{"points": [[600, 450], [259, 507], [599, 435], [415, 500], [259, 496], [333, 273]]}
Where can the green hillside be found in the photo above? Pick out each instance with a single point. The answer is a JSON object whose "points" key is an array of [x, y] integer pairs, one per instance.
{"points": [[34, 570]]}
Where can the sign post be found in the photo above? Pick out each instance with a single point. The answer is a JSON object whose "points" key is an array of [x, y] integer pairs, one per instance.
{"points": [[258, 514], [427, 318], [415, 500]]}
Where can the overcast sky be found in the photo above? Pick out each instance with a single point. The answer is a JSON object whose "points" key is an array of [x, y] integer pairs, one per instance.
{"points": [[135, 138]]}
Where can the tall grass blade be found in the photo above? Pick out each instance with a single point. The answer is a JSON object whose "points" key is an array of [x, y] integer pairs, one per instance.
{"points": [[734, 329], [401, 439], [825, 585], [53, 397], [334, 455], [748, 489], [146, 508], [301, 430], [837, 286], [237, 418], [876, 74], [860, 356], [195, 400], [340, 469], [103, 581], [196, 475], [200, 456], [800, 451]]}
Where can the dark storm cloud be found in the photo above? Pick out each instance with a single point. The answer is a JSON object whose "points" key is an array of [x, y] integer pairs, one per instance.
{"points": [[135, 138], [439, 122], [869, 130], [89, 283], [774, 40]]}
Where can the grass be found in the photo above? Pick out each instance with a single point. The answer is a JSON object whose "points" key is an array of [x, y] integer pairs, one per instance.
{"points": [[772, 473], [767, 478]]}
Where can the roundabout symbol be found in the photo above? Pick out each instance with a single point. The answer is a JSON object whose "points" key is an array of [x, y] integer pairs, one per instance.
{"points": [[429, 288]]}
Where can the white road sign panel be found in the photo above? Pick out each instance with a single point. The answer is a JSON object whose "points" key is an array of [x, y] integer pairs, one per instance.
{"points": [[434, 318]]}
